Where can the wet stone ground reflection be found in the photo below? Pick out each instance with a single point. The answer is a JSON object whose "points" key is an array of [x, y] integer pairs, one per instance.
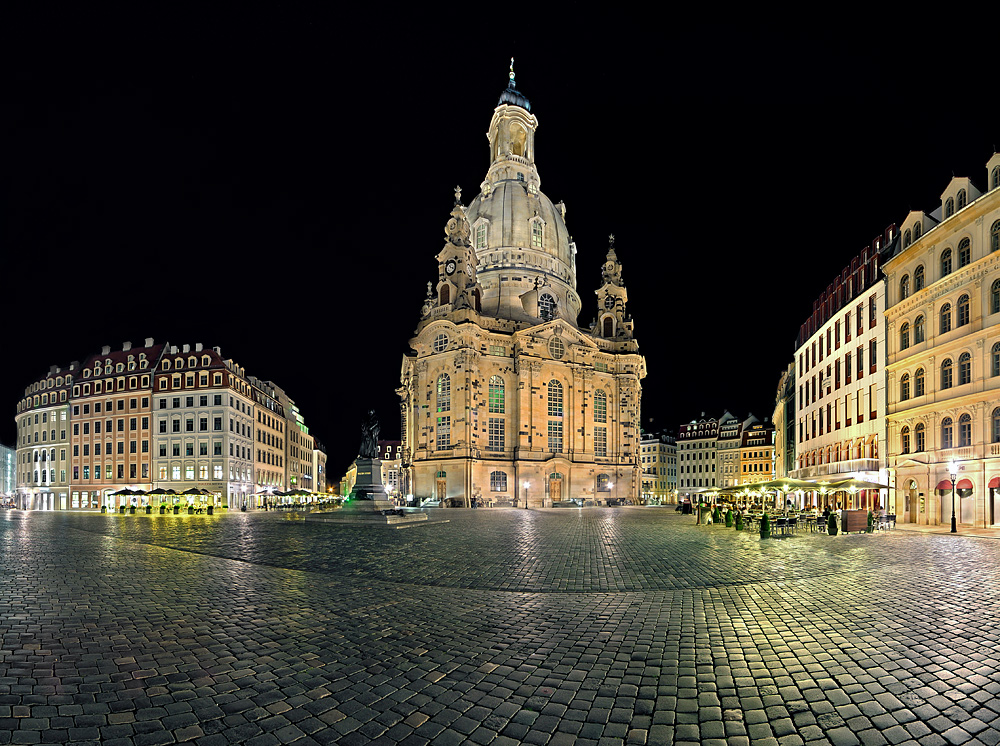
{"points": [[500, 627]]}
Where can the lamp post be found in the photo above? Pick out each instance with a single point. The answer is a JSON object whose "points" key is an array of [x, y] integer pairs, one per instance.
{"points": [[953, 470], [526, 486]]}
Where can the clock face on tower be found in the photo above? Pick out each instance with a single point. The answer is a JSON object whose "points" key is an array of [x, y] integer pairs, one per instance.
{"points": [[449, 266], [468, 269]]}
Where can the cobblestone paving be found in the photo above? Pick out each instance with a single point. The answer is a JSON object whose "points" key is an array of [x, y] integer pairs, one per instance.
{"points": [[616, 626]]}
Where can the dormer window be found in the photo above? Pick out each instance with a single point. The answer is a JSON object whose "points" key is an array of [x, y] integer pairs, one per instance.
{"points": [[949, 207], [192, 362], [206, 360], [995, 178], [916, 231], [546, 307], [961, 199], [166, 365], [537, 228], [179, 363], [906, 238]]}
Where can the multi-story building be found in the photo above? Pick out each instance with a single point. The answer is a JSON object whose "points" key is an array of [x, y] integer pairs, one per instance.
{"points": [[110, 433], [391, 458], [269, 440], [131, 421], [840, 377], [784, 424], [203, 432], [299, 447], [8, 474], [319, 466], [505, 398], [658, 456], [728, 450], [696, 457], [944, 357], [42, 451], [756, 451]]}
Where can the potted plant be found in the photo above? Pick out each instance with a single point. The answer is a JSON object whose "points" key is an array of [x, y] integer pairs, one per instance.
{"points": [[765, 526], [871, 523], [211, 510], [729, 518], [177, 509], [739, 521], [831, 524], [716, 515], [163, 508]]}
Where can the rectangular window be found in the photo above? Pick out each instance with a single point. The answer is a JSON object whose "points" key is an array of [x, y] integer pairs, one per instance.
{"points": [[872, 317], [555, 436], [861, 318], [847, 327], [203, 424], [600, 441], [872, 360], [443, 435], [861, 362], [189, 472], [133, 423], [861, 406], [847, 410], [217, 471], [217, 448], [132, 471], [872, 402], [496, 434], [847, 367], [175, 472]]}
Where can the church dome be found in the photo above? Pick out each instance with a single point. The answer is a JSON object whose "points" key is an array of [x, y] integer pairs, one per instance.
{"points": [[514, 97], [517, 219]]}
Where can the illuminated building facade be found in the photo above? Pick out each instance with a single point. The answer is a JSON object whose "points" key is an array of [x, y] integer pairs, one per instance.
{"points": [[756, 451], [8, 473], [269, 440], [697, 452], [728, 450], [504, 398], [658, 456], [840, 379], [943, 378], [784, 424], [42, 449], [110, 425], [203, 425], [156, 417]]}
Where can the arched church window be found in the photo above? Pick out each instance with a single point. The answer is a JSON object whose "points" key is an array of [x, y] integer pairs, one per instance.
{"points": [[443, 393], [546, 307], [609, 327], [600, 406], [481, 236], [497, 392], [555, 398]]}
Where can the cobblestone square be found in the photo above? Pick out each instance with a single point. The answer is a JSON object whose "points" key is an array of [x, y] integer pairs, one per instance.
{"points": [[594, 626]]}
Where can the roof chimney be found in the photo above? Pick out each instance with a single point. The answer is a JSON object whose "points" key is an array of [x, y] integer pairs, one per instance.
{"points": [[126, 346], [197, 346], [186, 348], [106, 350], [149, 342]]}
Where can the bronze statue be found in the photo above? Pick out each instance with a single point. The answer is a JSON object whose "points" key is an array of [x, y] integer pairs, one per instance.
{"points": [[369, 436]]}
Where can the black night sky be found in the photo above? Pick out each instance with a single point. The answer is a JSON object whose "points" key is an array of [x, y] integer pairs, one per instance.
{"points": [[275, 180]]}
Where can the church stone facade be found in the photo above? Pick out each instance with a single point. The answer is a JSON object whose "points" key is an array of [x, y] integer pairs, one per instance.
{"points": [[505, 399]]}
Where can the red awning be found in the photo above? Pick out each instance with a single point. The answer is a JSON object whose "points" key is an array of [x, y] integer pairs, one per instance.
{"points": [[994, 483], [944, 484], [964, 484]]}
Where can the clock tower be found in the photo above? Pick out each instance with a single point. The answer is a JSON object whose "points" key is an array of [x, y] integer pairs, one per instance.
{"points": [[457, 285], [612, 320]]}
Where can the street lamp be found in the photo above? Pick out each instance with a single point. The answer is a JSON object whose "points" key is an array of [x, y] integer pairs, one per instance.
{"points": [[953, 470], [526, 486]]}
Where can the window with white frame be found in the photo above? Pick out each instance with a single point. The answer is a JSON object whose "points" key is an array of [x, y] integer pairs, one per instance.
{"points": [[600, 441], [496, 434], [537, 228]]}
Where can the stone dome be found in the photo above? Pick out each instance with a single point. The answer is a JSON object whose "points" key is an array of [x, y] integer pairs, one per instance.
{"points": [[509, 210]]}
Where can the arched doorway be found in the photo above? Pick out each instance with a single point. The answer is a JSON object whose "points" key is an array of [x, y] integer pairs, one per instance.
{"points": [[909, 506], [555, 487], [441, 486]]}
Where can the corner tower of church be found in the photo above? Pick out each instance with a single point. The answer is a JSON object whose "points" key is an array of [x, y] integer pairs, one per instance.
{"points": [[504, 399]]}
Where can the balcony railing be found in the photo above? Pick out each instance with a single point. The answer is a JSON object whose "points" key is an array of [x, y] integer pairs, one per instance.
{"points": [[836, 469]]}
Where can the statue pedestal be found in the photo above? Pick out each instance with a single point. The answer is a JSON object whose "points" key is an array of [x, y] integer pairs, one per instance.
{"points": [[368, 485]]}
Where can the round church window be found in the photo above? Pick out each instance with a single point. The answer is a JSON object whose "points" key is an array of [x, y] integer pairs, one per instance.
{"points": [[556, 348], [440, 343]]}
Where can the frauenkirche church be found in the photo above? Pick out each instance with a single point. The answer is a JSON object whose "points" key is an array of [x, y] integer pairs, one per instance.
{"points": [[505, 399]]}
